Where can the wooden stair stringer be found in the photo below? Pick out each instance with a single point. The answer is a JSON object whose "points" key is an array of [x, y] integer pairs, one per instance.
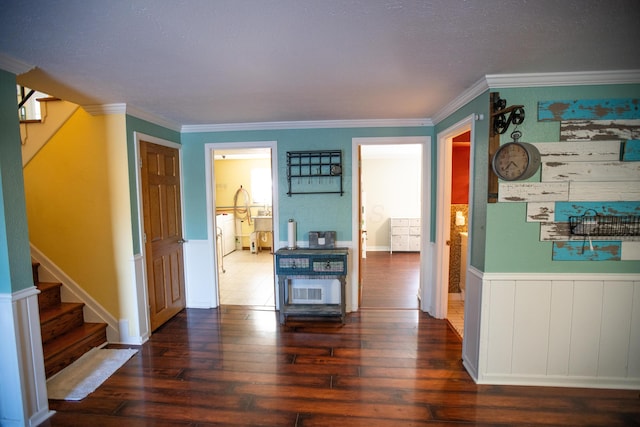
{"points": [[34, 134]]}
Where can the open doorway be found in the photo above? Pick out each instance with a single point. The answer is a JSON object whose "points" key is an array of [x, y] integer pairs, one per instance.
{"points": [[244, 240], [390, 203], [453, 222], [458, 229]]}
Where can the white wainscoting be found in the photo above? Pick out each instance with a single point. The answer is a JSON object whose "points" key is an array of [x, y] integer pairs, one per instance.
{"points": [[200, 277], [579, 330], [23, 387], [471, 341]]}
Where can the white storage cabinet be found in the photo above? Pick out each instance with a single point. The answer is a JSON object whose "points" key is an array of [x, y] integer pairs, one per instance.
{"points": [[404, 235]]}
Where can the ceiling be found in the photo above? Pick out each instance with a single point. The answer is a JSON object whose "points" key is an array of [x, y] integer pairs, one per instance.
{"points": [[197, 62]]}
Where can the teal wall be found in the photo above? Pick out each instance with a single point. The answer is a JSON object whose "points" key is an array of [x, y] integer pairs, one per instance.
{"points": [[134, 124], [15, 254], [311, 212], [512, 244], [478, 183]]}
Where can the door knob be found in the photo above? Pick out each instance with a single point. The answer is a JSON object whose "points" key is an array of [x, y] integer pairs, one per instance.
{"points": [[181, 241], [448, 242]]}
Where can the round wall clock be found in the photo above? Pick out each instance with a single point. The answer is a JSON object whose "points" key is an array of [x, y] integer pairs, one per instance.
{"points": [[516, 160]]}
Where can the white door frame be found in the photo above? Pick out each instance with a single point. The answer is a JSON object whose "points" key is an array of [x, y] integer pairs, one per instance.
{"points": [[425, 252], [443, 208], [210, 198]]}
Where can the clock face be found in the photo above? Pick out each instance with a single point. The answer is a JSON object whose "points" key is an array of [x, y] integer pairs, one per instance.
{"points": [[515, 161]]}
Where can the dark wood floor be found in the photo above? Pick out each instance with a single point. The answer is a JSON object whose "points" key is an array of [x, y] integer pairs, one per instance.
{"points": [[390, 280], [236, 366]]}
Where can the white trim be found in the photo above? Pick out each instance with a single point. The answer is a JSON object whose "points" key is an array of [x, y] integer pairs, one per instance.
{"points": [[104, 109], [425, 214], [23, 393], [495, 81], [94, 312], [579, 78], [552, 327], [520, 276], [312, 124], [441, 268], [13, 65], [122, 108], [209, 177]]}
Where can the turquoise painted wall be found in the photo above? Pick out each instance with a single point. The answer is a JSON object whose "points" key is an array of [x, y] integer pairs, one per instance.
{"points": [[512, 244], [134, 124], [15, 254], [478, 183], [311, 212]]}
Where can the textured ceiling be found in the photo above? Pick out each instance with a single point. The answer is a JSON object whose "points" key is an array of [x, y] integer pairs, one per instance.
{"points": [[240, 61]]}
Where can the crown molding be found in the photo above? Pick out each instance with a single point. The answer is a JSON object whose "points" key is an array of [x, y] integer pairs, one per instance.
{"points": [[13, 65], [121, 108], [581, 78], [103, 109], [317, 124], [495, 81]]}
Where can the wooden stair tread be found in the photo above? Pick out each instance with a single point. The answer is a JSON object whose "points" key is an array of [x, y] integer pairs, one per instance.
{"points": [[48, 99], [63, 342], [42, 286], [51, 313]]}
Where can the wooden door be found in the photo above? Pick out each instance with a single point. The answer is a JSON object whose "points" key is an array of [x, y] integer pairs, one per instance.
{"points": [[162, 231]]}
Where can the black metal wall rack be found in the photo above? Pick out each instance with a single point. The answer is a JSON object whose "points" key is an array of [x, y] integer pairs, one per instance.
{"points": [[314, 172]]}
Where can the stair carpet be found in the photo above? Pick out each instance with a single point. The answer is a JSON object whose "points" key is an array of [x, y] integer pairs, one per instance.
{"points": [[65, 334]]}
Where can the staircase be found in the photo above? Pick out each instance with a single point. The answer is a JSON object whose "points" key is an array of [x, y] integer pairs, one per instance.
{"points": [[65, 334]]}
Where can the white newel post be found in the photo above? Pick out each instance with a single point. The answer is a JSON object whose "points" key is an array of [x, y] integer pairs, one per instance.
{"points": [[23, 386]]}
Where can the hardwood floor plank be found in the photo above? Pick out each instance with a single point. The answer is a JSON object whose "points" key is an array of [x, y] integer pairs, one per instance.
{"points": [[237, 366], [399, 413], [199, 414]]}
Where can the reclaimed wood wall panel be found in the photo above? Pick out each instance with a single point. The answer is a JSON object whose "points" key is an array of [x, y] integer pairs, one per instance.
{"points": [[583, 151], [595, 165], [603, 191], [597, 130], [563, 210], [540, 211], [590, 171], [631, 151], [533, 191], [630, 251], [589, 109], [587, 250]]}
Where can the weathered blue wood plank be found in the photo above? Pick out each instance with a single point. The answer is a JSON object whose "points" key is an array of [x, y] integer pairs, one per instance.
{"points": [[631, 151], [589, 109], [563, 210], [582, 251]]}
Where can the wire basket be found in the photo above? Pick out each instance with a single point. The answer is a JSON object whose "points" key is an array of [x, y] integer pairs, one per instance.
{"points": [[604, 225]]}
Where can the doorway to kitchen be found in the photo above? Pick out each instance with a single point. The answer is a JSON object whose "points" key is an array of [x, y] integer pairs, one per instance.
{"points": [[390, 211], [243, 193]]}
